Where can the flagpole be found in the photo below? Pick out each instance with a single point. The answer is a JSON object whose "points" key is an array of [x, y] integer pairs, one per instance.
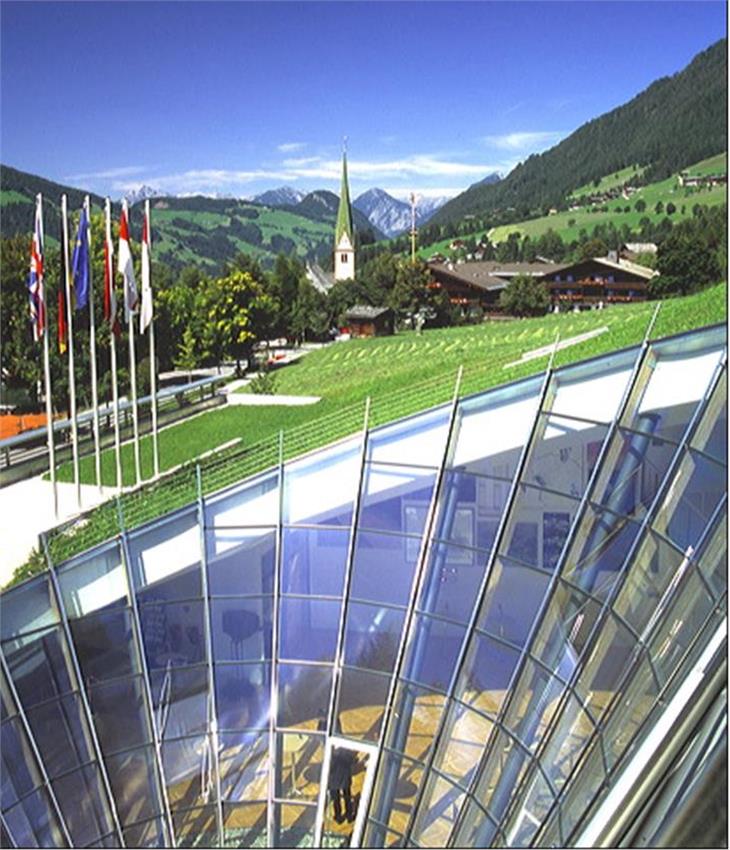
{"points": [[71, 376], [92, 353], [113, 340], [129, 309], [153, 364], [44, 328]]}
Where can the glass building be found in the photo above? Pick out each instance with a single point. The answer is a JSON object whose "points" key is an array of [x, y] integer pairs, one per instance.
{"points": [[499, 622]]}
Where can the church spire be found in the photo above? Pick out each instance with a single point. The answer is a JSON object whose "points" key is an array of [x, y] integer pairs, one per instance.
{"points": [[344, 213]]}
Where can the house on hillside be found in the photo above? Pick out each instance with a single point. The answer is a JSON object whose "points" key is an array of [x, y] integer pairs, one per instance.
{"points": [[363, 320], [584, 284], [632, 250]]}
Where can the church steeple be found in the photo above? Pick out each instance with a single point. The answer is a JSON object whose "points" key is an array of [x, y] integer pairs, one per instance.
{"points": [[344, 233]]}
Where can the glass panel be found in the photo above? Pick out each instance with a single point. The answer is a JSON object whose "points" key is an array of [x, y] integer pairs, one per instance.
{"points": [[396, 498], [361, 704], [243, 695], [255, 503], [241, 628], [437, 814], [26, 608], [611, 655], [345, 784], [240, 562], [538, 799], [314, 560], [470, 507], [20, 771], [188, 772], [509, 581], [149, 834], [463, 740], [679, 626], [418, 440], [711, 433], [581, 792], [308, 628], [383, 567], [501, 775], [244, 766], [296, 825], [179, 699], [105, 645], [372, 635], [696, 488], [40, 665], [132, 778], [83, 802], [433, 650], [655, 566], [679, 378], [635, 466], [631, 710], [196, 827], [595, 388], [173, 633], [60, 732], [416, 717], [491, 429], [304, 693], [486, 674], [598, 551], [119, 713], [245, 826], [453, 577], [93, 581], [567, 742], [406, 776], [300, 766], [712, 557], [474, 822], [34, 823], [534, 703], [564, 454], [320, 489], [538, 527], [166, 558]]}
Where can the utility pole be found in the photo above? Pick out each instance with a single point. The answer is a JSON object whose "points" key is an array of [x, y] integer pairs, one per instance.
{"points": [[414, 232]]}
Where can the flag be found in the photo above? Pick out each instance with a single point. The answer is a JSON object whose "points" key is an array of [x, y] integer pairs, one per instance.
{"points": [[145, 315], [125, 265], [36, 294], [110, 297], [62, 320], [80, 261]]}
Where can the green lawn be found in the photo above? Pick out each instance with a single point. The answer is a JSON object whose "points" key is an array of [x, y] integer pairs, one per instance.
{"points": [[607, 182], [401, 374]]}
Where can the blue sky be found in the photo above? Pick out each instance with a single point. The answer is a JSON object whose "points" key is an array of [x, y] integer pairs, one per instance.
{"points": [[237, 97]]}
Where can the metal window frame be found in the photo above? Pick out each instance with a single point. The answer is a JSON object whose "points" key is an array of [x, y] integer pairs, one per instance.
{"points": [[138, 642]]}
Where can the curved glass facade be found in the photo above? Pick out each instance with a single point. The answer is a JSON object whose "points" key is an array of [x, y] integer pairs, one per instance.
{"points": [[476, 614]]}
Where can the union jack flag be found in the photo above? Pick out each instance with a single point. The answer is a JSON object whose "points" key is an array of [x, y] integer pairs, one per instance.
{"points": [[36, 294]]}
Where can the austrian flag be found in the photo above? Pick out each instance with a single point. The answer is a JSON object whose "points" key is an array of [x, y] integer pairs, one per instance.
{"points": [[126, 267]]}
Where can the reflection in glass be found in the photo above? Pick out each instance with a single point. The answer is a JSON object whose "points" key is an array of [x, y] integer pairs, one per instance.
{"points": [[93, 581], [313, 560], [241, 561], [383, 567], [241, 628], [308, 628], [361, 702], [304, 693], [396, 498], [26, 608], [299, 766], [295, 825], [417, 440], [243, 695], [372, 635], [244, 766], [486, 674]]}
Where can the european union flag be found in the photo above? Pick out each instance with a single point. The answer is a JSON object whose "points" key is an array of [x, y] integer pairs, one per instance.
{"points": [[80, 262]]}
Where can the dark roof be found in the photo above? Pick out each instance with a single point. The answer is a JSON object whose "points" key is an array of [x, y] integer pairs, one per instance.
{"points": [[363, 311], [491, 274]]}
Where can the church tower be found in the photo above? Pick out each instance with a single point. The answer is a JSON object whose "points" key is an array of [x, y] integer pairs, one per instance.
{"points": [[344, 233]]}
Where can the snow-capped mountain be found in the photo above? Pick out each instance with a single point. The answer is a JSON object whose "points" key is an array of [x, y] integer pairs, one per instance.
{"points": [[392, 216], [134, 196], [281, 197]]}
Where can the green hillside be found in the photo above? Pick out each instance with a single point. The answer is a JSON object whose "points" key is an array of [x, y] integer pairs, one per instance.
{"points": [[569, 223], [407, 372], [676, 121]]}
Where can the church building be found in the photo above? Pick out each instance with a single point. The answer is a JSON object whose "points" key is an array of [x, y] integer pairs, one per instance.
{"points": [[344, 232]]}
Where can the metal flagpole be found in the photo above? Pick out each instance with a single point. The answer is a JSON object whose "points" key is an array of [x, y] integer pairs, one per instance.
{"points": [[109, 275], [92, 352], [130, 306], [71, 376], [42, 321], [133, 380], [147, 285]]}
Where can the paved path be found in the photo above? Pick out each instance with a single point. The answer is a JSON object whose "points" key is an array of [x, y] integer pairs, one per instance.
{"points": [[261, 399], [26, 509]]}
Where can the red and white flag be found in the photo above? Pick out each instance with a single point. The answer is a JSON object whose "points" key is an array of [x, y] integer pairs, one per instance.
{"points": [[125, 266], [145, 313], [110, 297], [35, 281]]}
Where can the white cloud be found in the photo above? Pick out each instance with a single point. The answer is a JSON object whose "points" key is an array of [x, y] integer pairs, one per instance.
{"points": [[439, 192], [524, 141], [290, 147], [108, 174]]}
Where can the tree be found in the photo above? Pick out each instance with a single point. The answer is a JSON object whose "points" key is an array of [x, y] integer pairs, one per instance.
{"points": [[640, 205], [684, 263], [524, 296], [671, 208], [187, 358], [309, 315]]}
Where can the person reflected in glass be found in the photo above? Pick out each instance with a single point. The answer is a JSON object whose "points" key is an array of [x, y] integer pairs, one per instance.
{"points": [[339, 784]]}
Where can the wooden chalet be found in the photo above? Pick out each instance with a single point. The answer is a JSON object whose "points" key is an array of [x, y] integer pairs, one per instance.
{"points": [[363, 320]]}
